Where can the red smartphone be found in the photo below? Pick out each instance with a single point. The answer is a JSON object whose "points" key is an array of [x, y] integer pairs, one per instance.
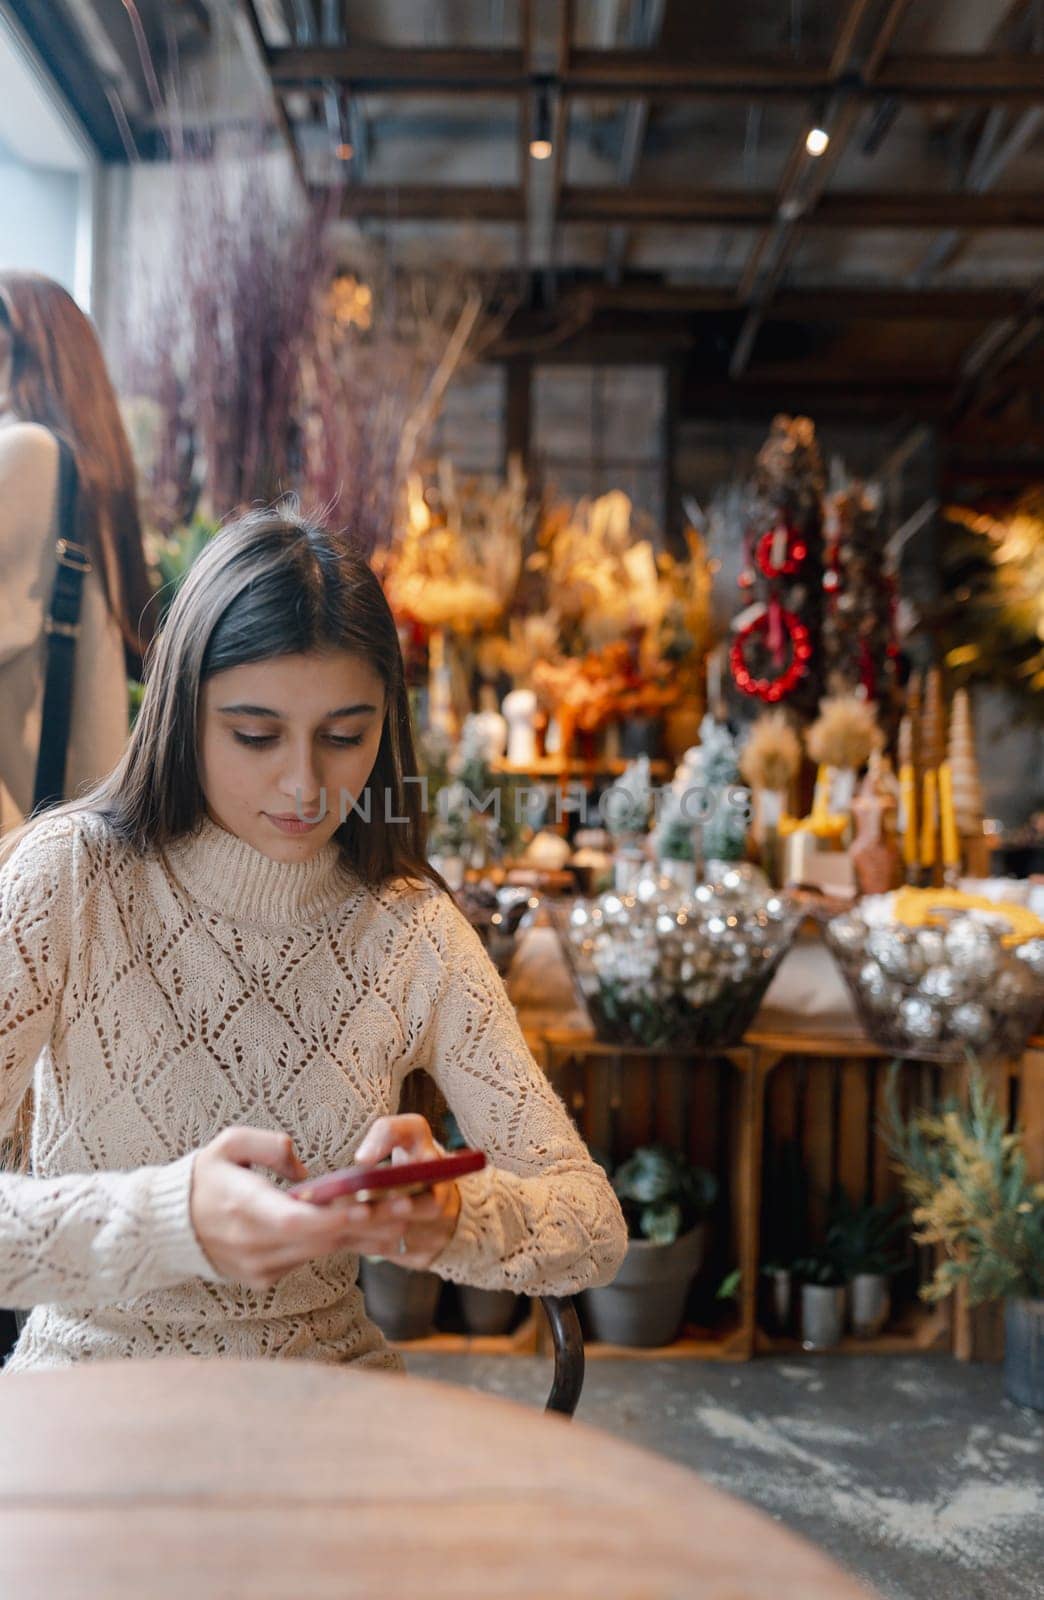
{"points": [[385, 1180]]}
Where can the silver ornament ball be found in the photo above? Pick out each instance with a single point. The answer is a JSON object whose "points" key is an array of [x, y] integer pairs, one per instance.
{"points": [[919, 1020]]}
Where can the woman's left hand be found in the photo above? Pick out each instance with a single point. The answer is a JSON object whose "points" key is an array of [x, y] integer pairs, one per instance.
{"points": [[425, 1221]]}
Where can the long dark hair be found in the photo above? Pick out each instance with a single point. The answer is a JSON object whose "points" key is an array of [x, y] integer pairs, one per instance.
{"points": [[269, 584], [59, 379]]}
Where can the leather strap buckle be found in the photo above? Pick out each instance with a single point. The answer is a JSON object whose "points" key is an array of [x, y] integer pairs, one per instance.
{"points": [[73, 555], [68, 630]]}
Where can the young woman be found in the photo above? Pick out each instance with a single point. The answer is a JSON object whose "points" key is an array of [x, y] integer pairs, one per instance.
{"points": [[53, 384], [213, 986]]}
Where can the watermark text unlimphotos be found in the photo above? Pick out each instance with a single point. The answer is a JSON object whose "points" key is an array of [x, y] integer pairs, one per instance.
{"points": [[615, 808]]}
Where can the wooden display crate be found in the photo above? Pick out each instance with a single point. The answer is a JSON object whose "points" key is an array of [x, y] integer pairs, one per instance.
{"points": [[728, 1110]]}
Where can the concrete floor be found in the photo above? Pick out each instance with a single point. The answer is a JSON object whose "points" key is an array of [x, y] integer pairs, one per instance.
{"points": [[913, 1472]]}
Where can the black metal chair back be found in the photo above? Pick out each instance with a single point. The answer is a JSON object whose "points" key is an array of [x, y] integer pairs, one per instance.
{"points": [[568, 1343]]}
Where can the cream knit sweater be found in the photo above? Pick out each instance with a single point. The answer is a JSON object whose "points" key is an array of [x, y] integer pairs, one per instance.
{"points": [[164, 998]]}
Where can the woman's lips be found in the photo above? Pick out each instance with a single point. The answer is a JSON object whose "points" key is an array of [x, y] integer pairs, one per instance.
{"points": [[293, 823]]}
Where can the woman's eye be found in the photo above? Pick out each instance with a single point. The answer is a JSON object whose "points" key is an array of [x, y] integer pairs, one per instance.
{"points": [[257, 740]]}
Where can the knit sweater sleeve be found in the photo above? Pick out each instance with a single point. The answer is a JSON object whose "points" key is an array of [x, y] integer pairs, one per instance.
{"points": [[542, 1217], [77, 1240]]}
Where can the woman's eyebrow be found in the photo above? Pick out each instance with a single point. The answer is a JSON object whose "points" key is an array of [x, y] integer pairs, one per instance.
{"points": [[266, 711]]}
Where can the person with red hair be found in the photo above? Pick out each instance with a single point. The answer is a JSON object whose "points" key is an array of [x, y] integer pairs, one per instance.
{"points": [[57, 401]]}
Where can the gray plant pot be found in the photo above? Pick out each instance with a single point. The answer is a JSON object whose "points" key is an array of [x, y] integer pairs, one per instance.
{"points": [[869, 1304], [487, 1311], [1024, 1352], [640, 736], [644, 1304], [401, 1302], [822, 1316], [779, 1297]]}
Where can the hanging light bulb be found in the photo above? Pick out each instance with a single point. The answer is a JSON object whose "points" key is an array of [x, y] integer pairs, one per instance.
{"points": [[540, 146], [816, 141]]}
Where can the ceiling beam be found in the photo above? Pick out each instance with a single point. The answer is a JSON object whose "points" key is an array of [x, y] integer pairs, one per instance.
{"points": [[625, 74], [882, 402], [371, 70], [947, 245], [548, 189], [939, 78], [257, 52], [58, 44], [805, 178], [525, 134], [699, 207], [797, 170], [997, 145], [433, 203], [825, 303], [646, 26]]}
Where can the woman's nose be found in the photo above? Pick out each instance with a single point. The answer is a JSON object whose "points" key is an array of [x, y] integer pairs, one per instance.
{"points": [[302, 777]]}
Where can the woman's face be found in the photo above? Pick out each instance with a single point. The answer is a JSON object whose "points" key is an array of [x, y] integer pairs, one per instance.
{"points": [[273, 735]]}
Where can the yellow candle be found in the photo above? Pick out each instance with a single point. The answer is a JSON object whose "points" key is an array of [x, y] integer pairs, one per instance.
{"points": [[928, 820], [951, 844], [908, 796], [821, 794]]}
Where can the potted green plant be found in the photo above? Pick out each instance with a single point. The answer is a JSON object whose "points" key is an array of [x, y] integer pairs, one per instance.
{"points": [[822, 1280], [779, 1302], [862, 1239], [966, 1176], [665, 1200]]}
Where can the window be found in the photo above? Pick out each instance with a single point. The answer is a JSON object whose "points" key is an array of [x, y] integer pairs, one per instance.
{"points": [[46, 175], [469, 428], [602, 428]]}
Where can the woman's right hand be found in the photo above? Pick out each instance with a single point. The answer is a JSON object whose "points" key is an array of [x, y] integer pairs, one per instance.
{"points": [[249, 1230]]}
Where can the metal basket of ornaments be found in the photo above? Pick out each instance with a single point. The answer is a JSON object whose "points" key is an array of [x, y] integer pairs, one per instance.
{"points": [[668, 965], [936, 980]]}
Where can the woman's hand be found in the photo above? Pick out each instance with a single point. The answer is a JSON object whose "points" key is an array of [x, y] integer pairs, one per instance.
{"points": [[251, 1231], [427, 1221], [254, 1233]]}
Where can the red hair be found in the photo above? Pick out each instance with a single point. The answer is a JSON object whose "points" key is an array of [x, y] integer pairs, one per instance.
{"points": [[59, 379]]}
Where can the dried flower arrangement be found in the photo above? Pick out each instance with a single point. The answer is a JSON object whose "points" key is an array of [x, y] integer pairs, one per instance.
{"points": [[600, 567], [844, 733], [456, 562], [249, 369], [771, 757], [966, 1176]]}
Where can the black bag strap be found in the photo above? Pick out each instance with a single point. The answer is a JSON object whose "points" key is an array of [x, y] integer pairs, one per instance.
{"points": [[62, 627]]}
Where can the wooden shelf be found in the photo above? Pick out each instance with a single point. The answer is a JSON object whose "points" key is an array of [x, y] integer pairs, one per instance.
{"points": [[916, 1329], [697, 1346], [910, 1335], [554, 767], [523, 1341], [529, 1338]]}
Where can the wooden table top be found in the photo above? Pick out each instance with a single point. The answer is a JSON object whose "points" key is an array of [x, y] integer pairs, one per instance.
{"points": [[294, 1481]]}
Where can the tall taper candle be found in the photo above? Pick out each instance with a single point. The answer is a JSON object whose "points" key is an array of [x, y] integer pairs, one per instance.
{"points": [[928, 836]]}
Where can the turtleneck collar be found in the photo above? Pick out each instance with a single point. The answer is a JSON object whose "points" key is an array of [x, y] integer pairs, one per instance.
{"points": [[228, 875]]}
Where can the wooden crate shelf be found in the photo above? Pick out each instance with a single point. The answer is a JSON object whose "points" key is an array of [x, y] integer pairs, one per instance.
{"points": [[635, 1094], [521, 1341], [911, 1334]]}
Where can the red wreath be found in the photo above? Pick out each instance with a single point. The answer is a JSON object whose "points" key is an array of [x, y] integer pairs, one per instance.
{"points": [[772, 689], [795, 554]]}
